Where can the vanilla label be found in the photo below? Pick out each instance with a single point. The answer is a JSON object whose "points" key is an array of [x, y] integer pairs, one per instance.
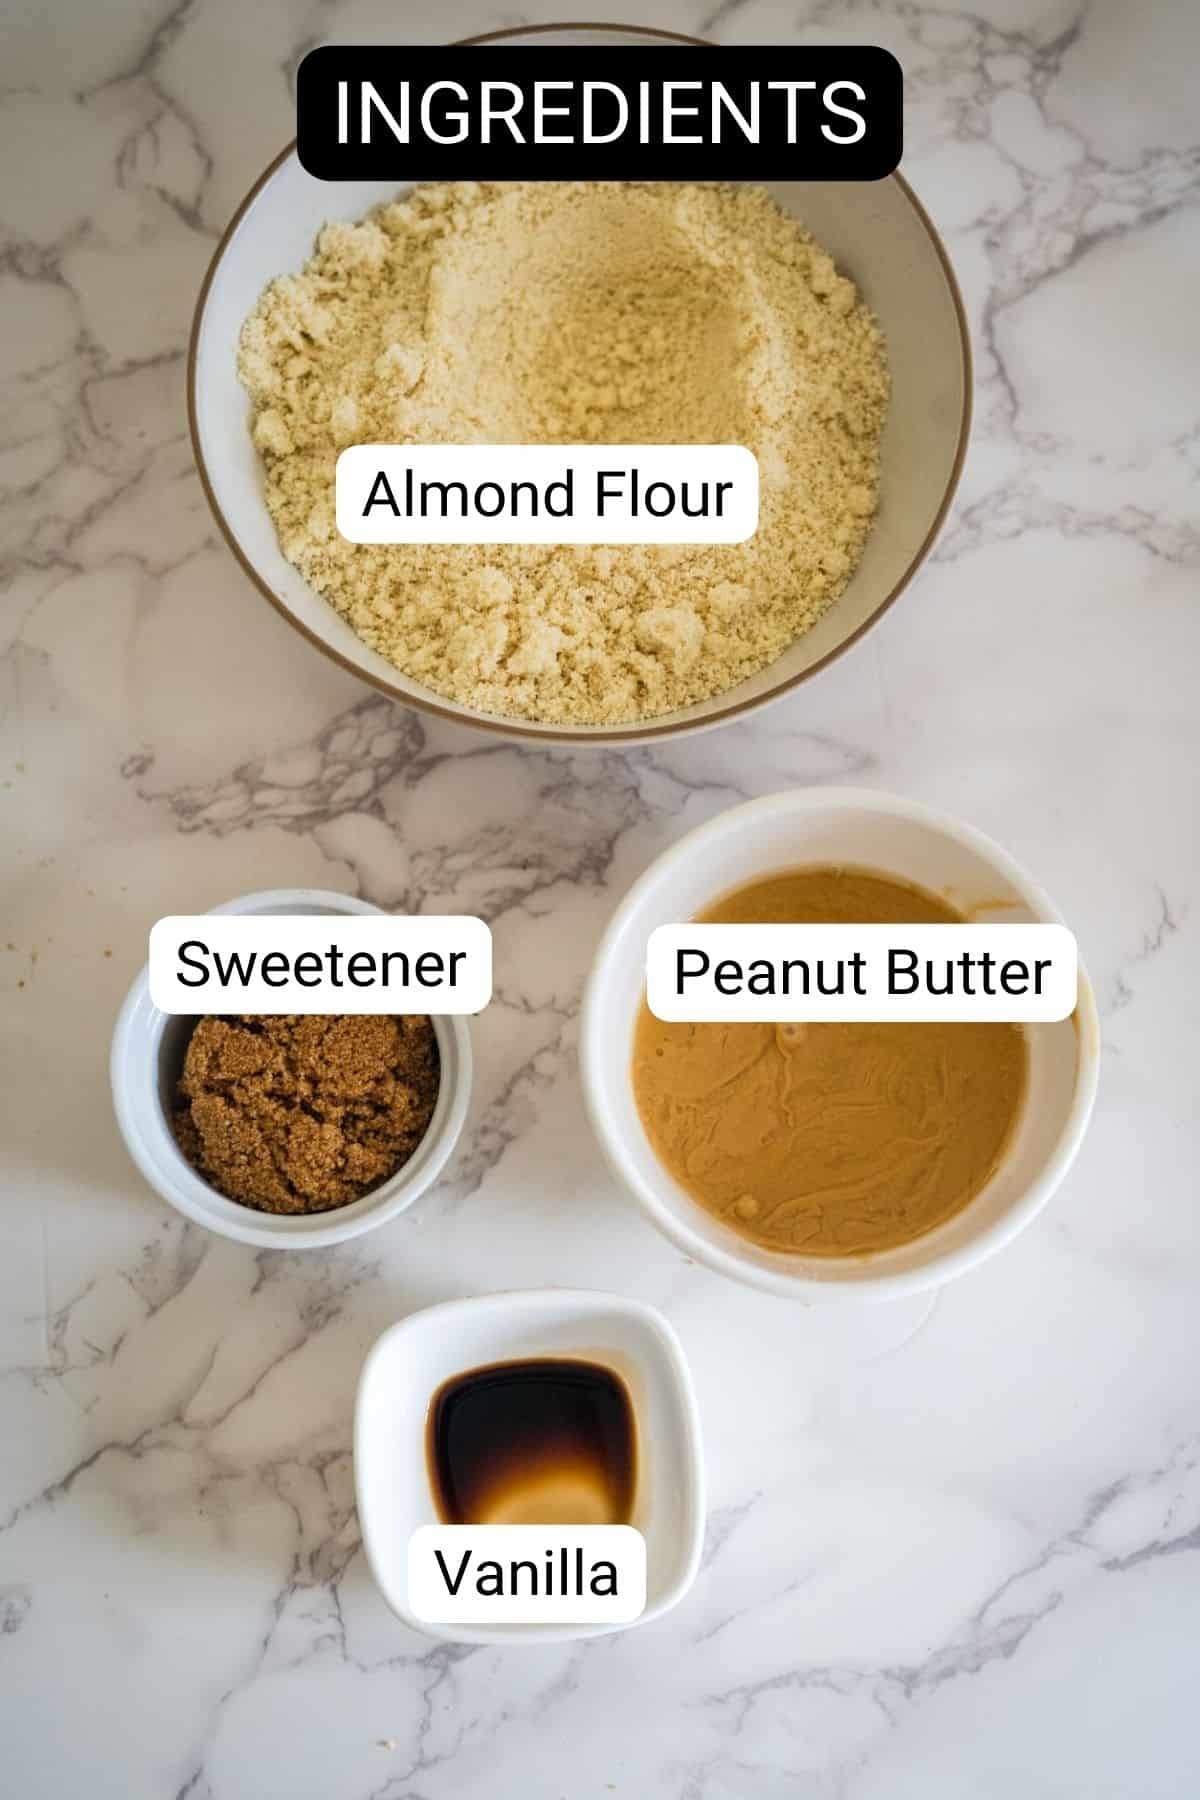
{"points": [[527, 1574]]}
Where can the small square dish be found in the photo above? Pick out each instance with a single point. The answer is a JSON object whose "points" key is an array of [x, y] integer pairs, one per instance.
{"points": [[408, 1364]]}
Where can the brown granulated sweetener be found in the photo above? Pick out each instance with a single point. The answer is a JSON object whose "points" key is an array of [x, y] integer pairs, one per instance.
{"points": [[299, 1114]]}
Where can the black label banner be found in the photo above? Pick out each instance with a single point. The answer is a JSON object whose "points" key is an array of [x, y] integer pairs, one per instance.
{"points": [[577, 112]]}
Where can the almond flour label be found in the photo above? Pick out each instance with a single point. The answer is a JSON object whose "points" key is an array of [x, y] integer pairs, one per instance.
{"points": [[537, 494]]}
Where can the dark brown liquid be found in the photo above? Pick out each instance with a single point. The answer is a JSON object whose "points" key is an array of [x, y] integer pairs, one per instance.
{"points": [[551, 1442]]}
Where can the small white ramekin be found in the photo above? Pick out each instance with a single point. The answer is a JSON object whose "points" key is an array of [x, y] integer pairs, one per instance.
{"points": [[147, 1056], [406, 1366], [856, 827]]}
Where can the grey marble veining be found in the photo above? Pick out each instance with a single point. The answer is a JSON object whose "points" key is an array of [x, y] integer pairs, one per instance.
{"points": [[954, 1545]]}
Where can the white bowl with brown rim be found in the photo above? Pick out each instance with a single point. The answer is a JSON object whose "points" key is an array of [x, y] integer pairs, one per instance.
{"points": [[855, 828], [877, 232]]}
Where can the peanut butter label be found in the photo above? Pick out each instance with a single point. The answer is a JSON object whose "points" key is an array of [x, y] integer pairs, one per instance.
{"points": [[764, 973]]}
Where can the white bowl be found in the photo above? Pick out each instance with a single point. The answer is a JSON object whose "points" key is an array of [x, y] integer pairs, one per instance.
{"points": [[406, 1366], [876, 231], [147, 1056], [899, 838]]}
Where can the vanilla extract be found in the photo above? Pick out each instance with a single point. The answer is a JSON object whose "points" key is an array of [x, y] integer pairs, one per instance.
{"points": [[549, 1441]]}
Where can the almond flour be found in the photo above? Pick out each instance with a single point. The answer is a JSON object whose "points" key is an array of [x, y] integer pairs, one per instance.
{"points": [[575, 313]]}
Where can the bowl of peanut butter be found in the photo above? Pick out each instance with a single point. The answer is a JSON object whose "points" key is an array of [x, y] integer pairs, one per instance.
{"points": [[845, 1156]]}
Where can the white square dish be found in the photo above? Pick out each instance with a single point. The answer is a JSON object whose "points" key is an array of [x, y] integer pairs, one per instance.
{"points": [[406, 1366]]}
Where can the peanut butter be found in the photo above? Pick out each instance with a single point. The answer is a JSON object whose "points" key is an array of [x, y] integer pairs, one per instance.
{"points": [[831, 1139]]}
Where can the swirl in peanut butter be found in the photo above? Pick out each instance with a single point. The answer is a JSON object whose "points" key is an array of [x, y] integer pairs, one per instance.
{"points": [[831, 1139]]}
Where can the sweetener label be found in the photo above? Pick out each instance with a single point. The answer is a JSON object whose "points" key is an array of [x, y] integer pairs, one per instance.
{"points": [[321, 963], [767, 973], [527, 1574]]}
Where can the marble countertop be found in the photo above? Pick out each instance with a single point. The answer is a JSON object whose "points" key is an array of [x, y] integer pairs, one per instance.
{"points": [[954, 1545]]}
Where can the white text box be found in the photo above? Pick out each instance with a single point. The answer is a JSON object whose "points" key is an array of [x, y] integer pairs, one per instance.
{"points": [[764, 973], [320, 963], [547, 494], [527, 1574]]}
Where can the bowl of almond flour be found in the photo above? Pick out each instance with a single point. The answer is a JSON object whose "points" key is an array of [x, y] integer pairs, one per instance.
{"points": [[818, 324]]}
